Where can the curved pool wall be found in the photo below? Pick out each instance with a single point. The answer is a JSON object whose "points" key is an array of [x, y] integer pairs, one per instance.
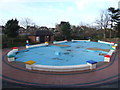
{"points": [[57, 42], [105, 42], [37, 45], [58, 68]]}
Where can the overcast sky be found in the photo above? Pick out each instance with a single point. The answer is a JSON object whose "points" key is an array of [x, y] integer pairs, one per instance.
{"points": [[49, 12]]}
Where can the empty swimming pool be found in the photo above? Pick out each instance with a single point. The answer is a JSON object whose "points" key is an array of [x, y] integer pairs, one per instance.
{"points": [[76, 53]]}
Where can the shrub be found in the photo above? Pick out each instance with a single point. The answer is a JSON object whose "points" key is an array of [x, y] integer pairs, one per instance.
{"points": [[13, 42]]}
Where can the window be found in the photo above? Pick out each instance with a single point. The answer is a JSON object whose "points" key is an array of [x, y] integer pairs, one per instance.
{"points": [[37, 38]]}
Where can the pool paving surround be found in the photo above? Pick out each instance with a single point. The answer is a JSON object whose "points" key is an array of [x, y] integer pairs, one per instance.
{"points": [[16, 74]]}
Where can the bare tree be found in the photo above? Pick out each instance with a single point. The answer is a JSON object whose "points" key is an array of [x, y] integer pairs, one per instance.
{"points": [[27, 22], [104, 21]]}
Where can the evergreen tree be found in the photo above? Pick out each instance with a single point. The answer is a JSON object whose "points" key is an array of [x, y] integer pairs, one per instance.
{"points": [[66, 30], [11, 28], [115, 18]]}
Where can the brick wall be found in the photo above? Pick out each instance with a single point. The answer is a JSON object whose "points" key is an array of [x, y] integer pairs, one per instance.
{"points": [[46, 40], [33, 38], [52, 38]]}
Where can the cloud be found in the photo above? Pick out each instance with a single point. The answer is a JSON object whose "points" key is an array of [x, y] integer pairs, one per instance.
{"points": [[86, 4], [81, 4], [74, 11]]}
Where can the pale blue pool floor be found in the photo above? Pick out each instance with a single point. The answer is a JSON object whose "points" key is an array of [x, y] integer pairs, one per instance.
{"points": [[76, 54]]}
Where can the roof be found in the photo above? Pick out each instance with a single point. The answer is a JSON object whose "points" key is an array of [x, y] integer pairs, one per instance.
{"points": [[42, 33]]}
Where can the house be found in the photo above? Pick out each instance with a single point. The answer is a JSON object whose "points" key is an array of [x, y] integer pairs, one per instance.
{"points": [[52, 29], [22, 31], [43, 28], [42, 36], [31, 28]]}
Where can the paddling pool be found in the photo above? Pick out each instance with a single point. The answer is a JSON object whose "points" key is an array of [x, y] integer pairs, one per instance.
{"points": [[77, 53]]}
